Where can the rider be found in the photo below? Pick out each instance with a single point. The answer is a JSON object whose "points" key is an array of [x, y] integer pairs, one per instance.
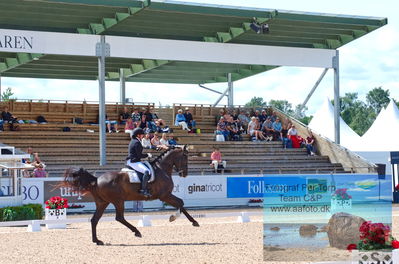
{"points": [[135, 155]]}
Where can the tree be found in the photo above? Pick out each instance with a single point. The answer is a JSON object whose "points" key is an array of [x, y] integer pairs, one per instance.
{"points": [[256, 102], [377, 99], [282, 105], [6, 95]]}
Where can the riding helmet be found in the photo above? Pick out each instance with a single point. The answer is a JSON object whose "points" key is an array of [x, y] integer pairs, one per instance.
{"points": [[137, 131]]}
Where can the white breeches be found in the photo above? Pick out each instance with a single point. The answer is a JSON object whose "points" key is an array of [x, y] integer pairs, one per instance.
{"points": [[138, 166]]}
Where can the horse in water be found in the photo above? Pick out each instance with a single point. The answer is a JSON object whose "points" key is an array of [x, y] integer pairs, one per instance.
{"points": [[115, 188]]}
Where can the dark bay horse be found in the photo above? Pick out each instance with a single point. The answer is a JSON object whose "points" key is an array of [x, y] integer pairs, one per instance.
{"points": [[115, 188]]}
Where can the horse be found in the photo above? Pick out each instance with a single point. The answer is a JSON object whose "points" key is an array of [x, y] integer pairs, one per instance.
{"points": [[115, 188]]}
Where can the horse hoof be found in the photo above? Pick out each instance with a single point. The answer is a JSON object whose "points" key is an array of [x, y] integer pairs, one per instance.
{"points": [[99, 243], [195, 224], [138, 234], [172, 218]]}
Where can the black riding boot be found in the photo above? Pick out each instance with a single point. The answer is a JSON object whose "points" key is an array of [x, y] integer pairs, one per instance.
{"points": [[144, 191]]}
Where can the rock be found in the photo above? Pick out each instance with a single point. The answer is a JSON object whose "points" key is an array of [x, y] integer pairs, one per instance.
{"points": [[343, 229], [307, 230], [275, 228]]}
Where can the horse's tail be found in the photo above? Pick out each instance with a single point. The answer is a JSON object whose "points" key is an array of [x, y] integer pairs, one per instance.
{"points": [[79, 180]]}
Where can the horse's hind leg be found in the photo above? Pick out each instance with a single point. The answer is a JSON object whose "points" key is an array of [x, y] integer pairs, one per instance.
{"points": [[100, 207], [178, 203], [120, 209]]}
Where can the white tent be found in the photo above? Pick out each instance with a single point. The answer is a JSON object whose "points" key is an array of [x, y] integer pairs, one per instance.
{"points": [[323, 123], [381, 136]]}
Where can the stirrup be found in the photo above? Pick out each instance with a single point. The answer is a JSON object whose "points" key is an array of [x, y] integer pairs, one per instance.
{"points": [[146, 193]]}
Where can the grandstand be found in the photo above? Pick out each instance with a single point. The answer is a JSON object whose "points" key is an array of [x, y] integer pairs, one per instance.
{"points": [[60, 150]]}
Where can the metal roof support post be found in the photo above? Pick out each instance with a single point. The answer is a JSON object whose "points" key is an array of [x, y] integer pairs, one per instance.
{"points": [[102, 50], [314, 87], [337, 106], [122, 85], [230, 100]]}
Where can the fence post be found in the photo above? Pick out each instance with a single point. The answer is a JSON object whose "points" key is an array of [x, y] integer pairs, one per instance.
{"points": [[34, 226], [145, 221], [243, 218]]}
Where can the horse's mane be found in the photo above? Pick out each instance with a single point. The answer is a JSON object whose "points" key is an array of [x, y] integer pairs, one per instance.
{"points": [[163, 154]]}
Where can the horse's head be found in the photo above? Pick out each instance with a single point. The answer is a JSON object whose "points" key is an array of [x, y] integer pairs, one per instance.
{"points": [[180, 162]]}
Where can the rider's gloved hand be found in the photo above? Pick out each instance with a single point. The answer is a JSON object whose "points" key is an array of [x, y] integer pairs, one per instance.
{"points": [[149, 155]]}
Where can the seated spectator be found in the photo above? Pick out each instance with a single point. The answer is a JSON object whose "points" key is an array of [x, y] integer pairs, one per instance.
{"points": [[234, 131], [39, 171], [34, 159], [287, 143], [293, 136], [160, 128], [262, 117], [180, 120], [129, 126], [146, 141], [310, 140], [191, 123], [9, 118], [172, 140], [254, 129], [216, 159], [218, 116], [155, 117], [112, 125], [257, 114], [277, 129], [221, 128], [273, 117], [234, 115], [244, 120], [267, 129], [155, 140], [124, 115], [164, 140], [136, 117], [149, 118]]}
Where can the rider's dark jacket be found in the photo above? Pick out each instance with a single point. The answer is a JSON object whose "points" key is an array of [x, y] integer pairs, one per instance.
{"points": [[135, 151]]}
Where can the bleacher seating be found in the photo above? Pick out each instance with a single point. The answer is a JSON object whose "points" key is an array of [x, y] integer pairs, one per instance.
{"points": [[60, 150]]}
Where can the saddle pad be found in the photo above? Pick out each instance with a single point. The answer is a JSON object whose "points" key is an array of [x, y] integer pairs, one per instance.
{"points": [[134, 178]]}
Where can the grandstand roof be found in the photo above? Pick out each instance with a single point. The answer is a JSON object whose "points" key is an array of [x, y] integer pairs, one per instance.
{"points": [[167, 20]]}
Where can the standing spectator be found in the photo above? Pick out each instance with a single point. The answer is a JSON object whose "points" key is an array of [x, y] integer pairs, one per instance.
{"points": [[9, 118], [180, 120], [146, 141], [124, 115], [129, 126], [277, 129], [216, 159], [310, 140], [287, 143], [191, 123]]}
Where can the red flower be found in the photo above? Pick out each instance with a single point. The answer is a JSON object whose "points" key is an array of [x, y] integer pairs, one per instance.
{"points": [[395, 244], [57, 202], [351, 247]]}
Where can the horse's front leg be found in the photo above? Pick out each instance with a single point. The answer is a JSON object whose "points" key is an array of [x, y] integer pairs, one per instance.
{"points": [[100, 207], [178, 203], [120, 210]]}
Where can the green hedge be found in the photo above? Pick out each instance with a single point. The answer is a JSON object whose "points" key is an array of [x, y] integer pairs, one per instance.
{"points": [[24, 212]]}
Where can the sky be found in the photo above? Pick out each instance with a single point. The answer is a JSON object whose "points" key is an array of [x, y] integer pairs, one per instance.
{"points": [[365, 63]]}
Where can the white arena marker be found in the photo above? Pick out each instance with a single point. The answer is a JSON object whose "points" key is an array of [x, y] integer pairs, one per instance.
{"points": [[34, 226], [243, 218], [145, 221]]}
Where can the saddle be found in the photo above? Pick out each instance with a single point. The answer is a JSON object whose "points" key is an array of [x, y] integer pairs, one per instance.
{"points": [[135, 176]]}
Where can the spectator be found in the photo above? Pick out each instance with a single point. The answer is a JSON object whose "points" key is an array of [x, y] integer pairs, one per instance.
{"points": [[172, 140], [221, 128], [293, 136], [216, 159], [155, 117], [191, 123], [257, 114], [9, 118], [234, 131], [273, 117], [39, 171], [164, 140], [254, 129], [155, 140], [180, 120], [262, 117], [129, 126], [136, 117], [124, 115], [111, 124], [267, 129], [34, 159], [310, 140], [277, 129], [221, 113], [244, 120], [161, 129], [150, 120], [146, 141], [234, 115], [287, 143]]}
